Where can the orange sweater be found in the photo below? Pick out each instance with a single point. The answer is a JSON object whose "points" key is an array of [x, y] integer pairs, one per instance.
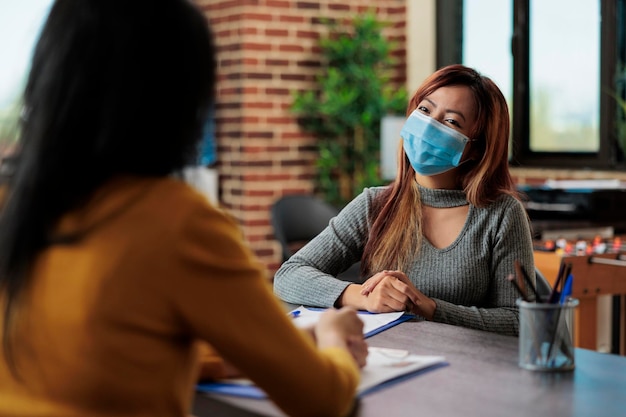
{"points": [[110, 325]]}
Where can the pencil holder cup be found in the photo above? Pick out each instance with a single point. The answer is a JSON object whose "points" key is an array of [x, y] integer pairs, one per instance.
{"points": [[546, 335]]}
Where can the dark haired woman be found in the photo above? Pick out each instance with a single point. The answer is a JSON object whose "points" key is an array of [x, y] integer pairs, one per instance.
{"points": [[112, 270], [442, 238]]}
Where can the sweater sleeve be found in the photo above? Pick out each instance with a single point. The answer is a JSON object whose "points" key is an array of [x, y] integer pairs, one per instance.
{"points": [[224, 298], [511, 241], [309, 276]]}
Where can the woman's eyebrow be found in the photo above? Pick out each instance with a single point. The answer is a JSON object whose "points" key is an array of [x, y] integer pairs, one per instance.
{"points": [[446, 110], [456, 112]]}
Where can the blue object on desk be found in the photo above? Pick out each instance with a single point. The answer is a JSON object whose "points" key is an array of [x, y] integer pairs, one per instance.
{"points": [[401, 319], [567, 289], [401, 378], [236, 390], [252, 391]]}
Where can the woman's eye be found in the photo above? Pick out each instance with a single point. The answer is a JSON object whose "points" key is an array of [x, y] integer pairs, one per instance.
{"points": [[453, 122], [423, 109]]}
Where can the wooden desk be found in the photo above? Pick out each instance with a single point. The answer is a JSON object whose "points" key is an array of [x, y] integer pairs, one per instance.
{"points": [[594, 275], [481, 380]]}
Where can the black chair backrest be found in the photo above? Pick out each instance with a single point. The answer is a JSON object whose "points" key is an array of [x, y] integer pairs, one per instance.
{"points": [[296, 219]]}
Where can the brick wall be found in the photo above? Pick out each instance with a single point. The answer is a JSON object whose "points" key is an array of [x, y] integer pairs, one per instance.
{"points": [[267, 49]]}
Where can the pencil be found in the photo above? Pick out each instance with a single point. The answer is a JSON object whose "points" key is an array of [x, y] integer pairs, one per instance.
{"points": [[531, 328], [564, 272], [568, 271], [554, 294], [522, 293], [520, 269]]}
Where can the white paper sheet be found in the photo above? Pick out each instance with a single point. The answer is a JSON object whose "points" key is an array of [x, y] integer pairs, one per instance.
{"points": [[384, 366], [304, 317]]}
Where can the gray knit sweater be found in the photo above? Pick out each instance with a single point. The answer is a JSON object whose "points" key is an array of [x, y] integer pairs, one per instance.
{"points": [[467, 279]]}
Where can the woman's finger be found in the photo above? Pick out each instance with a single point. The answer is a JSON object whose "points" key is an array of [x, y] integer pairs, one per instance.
{"points": [[372, 282]]}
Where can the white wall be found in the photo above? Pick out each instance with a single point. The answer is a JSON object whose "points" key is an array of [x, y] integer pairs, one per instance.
{"points": [[421, 28]]}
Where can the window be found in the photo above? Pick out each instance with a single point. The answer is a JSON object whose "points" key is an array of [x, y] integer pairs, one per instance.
{"points": [[494, 38], [20, 24], [565, 109], [557, 62]]}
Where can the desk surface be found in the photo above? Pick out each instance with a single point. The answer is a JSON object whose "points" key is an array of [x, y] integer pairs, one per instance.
{"points": [[482, 379]]}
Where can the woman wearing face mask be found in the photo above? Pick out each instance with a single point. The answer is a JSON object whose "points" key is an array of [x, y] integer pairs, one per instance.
{"points": [[441, 239]]}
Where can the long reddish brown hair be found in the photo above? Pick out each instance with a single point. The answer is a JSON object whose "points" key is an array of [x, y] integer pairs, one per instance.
{"points": [[397, 224]]}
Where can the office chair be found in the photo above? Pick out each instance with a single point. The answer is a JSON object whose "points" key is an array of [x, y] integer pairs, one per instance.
{"points": [[297, 219]]}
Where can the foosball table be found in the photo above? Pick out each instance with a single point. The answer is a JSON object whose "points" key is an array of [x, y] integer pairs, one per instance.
{"points": [[598, 268]]}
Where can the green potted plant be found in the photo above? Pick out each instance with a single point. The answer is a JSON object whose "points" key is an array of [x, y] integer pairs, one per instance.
{"points": [[9, 129], [344, 111]]}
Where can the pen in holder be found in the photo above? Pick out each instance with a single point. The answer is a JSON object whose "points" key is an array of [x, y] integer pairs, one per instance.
{"points": [[546, 335]]}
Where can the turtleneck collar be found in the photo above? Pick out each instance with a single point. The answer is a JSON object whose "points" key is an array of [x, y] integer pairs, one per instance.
{"points": [[439, 198]]}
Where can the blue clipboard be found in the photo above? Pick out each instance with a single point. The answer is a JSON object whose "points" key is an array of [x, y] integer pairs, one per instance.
{"points": [[234, 390], [252, 391], [401, 319]]}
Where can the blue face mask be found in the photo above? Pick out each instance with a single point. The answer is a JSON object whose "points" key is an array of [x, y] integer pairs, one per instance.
{"points": [[432, 147]]}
